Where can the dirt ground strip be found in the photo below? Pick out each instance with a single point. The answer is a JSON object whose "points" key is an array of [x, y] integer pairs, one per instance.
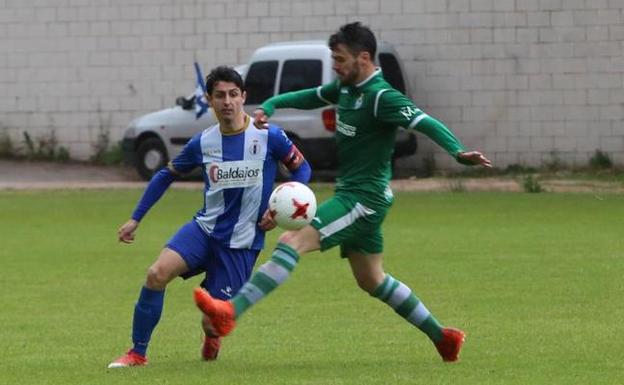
{"points": [[21, 175], [505, 184]]}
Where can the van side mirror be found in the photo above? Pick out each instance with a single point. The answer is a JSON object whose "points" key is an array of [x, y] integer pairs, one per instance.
{"points": [[186, 104]]}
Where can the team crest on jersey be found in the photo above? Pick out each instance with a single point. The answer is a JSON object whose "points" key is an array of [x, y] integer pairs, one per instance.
{"points": [[358, 102], [255, 148]]}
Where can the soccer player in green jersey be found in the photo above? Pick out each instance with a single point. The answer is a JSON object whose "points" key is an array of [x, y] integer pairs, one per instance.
{"points": [[369, 111]]}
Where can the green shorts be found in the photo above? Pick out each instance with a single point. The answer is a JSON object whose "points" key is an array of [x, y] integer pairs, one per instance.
{"points": [[343, 220]]}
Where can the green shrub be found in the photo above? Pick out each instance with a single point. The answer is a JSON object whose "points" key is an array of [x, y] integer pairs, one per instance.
{"points": [[6, 146], [44, 147], [457, 185], [106, 153], [113, 155], [555, 163], [62, 155], [531, 184], [600, 161]]}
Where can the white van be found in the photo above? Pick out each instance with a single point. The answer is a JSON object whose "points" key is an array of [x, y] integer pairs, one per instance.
{"points": [[151, 140]]}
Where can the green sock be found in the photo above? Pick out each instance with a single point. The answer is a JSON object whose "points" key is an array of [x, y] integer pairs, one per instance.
{"points": [[401, 298], [268, 277]]}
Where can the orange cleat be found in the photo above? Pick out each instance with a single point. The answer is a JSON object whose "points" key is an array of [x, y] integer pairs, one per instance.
{"points": [[131, 358], [451, 343], [210, 348], [221, 313]]}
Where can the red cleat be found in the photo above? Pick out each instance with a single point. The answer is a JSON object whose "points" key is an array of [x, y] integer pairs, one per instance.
{"points": [[131, 358], [210, 348], [212, 342], [221, 313], [451, 343]]}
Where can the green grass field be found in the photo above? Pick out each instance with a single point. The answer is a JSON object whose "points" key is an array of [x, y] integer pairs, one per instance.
{"points": [[536, 281]]}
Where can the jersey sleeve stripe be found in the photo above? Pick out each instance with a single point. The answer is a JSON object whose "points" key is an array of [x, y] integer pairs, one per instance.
{"points": [[417, 120], [379, 93], [318, 93]]}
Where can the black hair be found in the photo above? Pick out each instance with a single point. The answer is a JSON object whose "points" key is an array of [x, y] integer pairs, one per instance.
{"points": [[356, 37], [223, 74]]}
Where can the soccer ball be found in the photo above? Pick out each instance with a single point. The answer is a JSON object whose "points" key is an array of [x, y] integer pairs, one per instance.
{"points": [[292, 205]]}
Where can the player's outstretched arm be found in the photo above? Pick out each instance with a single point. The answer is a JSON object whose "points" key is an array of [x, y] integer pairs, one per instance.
{"points": [[156, 187], [396, 109], [440, 134], [306, 99]]}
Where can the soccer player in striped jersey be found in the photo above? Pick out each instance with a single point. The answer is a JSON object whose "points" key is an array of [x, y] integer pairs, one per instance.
{"points": [[369, 111], [239, 163]]}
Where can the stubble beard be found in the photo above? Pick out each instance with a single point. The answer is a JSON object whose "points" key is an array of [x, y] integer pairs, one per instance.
{"points": [[351, 78]]}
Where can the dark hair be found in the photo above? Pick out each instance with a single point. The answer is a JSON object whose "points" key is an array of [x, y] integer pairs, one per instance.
{"points": [[223, 74], [356, 37]]}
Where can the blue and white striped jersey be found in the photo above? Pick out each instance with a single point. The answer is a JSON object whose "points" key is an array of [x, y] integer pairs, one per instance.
{"points": [[239, 171]]}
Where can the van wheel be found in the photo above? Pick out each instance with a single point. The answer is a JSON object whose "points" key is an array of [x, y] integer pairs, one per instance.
{"points": [[151, 157]]}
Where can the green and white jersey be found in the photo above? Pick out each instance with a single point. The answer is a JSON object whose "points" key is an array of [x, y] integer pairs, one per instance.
{"points": [[367, 117]]}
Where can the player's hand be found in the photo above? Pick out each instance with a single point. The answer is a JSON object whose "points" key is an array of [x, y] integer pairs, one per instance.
{"points": [[260, 119], [267, 223], [126, 231], [475, 157]]}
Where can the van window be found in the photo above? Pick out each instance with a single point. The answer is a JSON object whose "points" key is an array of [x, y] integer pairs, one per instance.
{"points": [[300, 74], [260, 81], [392, 71]]}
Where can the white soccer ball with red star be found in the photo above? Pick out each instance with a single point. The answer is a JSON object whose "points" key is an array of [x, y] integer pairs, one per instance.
{"points": [[292, 205]]}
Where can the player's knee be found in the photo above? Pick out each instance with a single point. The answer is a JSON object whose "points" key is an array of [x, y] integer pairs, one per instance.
{"points": [[157, 277], [366, 284]]}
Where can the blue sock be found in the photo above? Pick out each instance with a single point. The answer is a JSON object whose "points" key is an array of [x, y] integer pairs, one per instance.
{"points": [[147, 313]]}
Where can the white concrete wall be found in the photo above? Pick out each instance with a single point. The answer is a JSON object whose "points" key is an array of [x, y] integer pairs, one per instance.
{"points": [[523, 80]]}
